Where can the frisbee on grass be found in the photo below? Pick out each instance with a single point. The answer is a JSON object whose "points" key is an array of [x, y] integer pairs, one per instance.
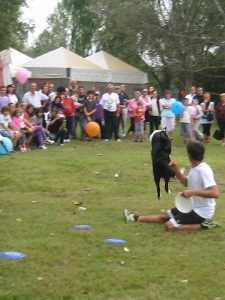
{"points": [[12, 255], [183, 204], [115, 241], [81, 227]]}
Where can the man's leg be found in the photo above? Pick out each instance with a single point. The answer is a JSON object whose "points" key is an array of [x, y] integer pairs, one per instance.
{"points": [[162, 217], [188, 227]]}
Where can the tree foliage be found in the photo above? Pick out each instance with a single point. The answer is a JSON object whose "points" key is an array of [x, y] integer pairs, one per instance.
{"points": [[179, 42], [13, 31]]}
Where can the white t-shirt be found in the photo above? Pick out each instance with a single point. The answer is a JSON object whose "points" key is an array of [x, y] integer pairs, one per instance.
{"points": [[110, 101], [5, 120], [155, 109], [34, 98], [186, 115], [12, 98], [201, 177]]}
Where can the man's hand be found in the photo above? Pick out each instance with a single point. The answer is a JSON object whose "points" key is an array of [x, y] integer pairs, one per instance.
{"points": [[173, 166], [187, 193]]}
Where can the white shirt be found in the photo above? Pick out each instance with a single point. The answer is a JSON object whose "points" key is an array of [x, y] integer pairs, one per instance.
{"points": [[201, 177], [155, 109], [5, 120], [186, 115], [12, 98], [34, 98], [110, 101], [190, 97]]}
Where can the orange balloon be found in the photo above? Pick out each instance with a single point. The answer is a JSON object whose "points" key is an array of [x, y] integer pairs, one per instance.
{"points": [[92, 129]]}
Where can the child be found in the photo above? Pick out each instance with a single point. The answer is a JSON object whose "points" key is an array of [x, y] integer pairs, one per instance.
{"points": [[89, 108], [139, 119], [36, 130], [197, 114], [18, 125], [6, 129], [186, 121]]}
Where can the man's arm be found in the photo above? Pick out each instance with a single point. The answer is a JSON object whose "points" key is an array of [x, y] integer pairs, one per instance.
{"points": [[181, 177], [210, 192]]}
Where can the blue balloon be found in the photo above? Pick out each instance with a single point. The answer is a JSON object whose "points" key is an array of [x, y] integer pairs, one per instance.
{"points": [[6, 146], [177, 108]]}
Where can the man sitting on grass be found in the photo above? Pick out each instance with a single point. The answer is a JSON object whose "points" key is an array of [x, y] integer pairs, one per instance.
{"points": [[201, 187]]}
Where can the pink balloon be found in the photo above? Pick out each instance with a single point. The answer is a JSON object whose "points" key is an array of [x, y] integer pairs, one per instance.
{"points": [[22, 75]]}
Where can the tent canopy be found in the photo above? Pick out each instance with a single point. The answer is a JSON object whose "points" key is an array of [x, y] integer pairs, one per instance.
{"points": [[11, 59], [62, 63], [119, 71]]}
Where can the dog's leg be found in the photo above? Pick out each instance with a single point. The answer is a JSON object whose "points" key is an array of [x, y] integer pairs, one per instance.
{"points": [[167, 186], [157, 183]]}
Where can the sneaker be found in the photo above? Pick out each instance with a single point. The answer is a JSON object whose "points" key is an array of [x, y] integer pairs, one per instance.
{"points": [[48, 141], [118, 140], [128, 216], [106, 140], [209, 224], [61, 145], [43, 147], [66, 141]]}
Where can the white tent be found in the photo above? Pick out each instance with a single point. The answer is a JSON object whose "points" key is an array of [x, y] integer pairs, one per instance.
{"points": [[62, 63], [118, 70], [11, 60]]}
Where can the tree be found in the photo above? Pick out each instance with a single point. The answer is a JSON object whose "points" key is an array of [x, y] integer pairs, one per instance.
{"points": [[13, 31], [57, 34]]}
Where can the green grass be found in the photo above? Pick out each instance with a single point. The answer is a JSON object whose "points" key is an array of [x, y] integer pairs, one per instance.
{"points": [[39, 188]]}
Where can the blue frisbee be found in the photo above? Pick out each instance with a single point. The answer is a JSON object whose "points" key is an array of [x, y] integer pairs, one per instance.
{"points": [[12, 255], [81, 227], [115, 241]]}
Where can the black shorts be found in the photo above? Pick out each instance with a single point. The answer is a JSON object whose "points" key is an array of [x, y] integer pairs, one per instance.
{"points": [[178, 218]]}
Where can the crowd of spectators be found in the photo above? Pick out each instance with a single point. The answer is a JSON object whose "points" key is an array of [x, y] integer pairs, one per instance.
{"points": [[56, 115]]}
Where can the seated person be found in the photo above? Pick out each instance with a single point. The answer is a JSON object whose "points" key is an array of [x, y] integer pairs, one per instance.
{"points": [[57, 128], [201, 186]]}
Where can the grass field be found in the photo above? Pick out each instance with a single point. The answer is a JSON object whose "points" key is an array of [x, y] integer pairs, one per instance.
{"points": [[38, 190]]}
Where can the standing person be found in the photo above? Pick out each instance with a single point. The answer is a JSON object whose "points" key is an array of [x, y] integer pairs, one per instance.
{"points": [[155, 111], [132, 106], [220, 117], [4, 99], [89, 108], [99, 118], [167, 116], [191, 95], [139, 120], [34, 97], [199, 94], [124, 110], [69, 112], [201, 186], [51, 92], [147, 99], [79, 117], [186, 121], [110, 105], [207, 116], [197, 114], [13, 98]]}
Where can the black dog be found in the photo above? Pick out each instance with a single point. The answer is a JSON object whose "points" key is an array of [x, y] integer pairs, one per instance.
{"points": [[161, 149]]}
